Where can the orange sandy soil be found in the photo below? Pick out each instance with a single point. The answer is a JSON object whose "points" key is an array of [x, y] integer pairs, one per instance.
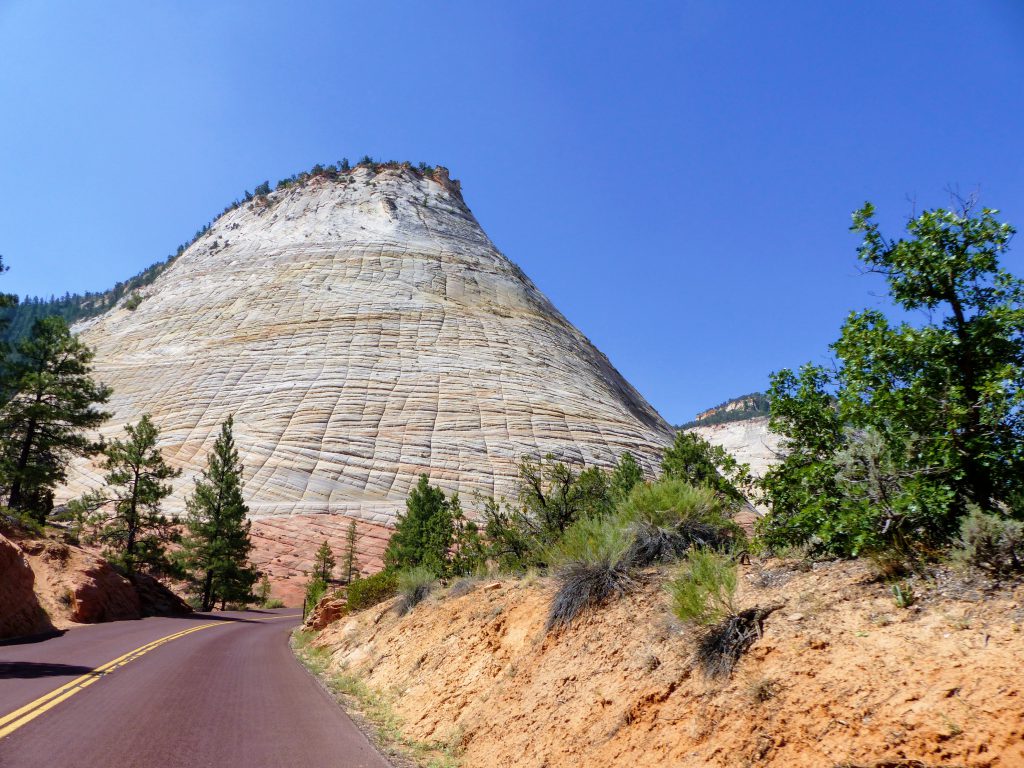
{"points": [[841, 677]]}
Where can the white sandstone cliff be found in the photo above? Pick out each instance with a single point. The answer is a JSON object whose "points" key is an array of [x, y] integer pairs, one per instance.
{"points": [[361, 331]]}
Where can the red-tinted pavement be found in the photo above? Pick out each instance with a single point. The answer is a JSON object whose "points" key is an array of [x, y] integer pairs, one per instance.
{"points": [[224, 696]]}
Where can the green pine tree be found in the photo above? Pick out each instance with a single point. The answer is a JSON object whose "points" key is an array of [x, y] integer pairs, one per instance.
{"points": [[468, 550], [348, 561], [263, 590], [51, 401], [423, 534], [216, 547], [625, 476], [128, 518], [324, 563]]}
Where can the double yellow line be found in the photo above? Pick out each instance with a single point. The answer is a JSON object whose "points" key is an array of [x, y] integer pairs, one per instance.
{"points": [[12, 721]]}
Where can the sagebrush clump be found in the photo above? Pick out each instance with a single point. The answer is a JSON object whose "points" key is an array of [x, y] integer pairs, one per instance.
{"points": [[992, 542], [590, 568], [414, 584]]}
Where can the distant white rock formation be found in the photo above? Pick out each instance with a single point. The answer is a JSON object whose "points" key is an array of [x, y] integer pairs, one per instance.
{"points": [[362, 331]]}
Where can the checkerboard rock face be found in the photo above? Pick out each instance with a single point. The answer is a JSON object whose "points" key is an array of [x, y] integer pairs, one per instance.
{"points": [[362, 331]]}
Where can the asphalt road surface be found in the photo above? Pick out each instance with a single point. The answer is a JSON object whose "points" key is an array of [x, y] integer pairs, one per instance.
{"points": [[219, 690]]}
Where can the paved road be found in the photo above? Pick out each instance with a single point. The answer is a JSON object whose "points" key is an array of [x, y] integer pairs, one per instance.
{"points": [[220, 690]]}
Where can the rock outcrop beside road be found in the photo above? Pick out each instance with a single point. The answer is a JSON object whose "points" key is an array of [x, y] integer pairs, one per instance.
{"points": [[47, 584], [20, 611]]}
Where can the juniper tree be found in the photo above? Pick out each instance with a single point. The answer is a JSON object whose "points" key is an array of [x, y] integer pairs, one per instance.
{"points": [[553, 495], [127, 510], [217, 545], [694, 459], [468, 551], [51, 401]]}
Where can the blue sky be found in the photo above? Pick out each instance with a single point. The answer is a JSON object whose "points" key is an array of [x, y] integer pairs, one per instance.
{"points": [[677, 177]]}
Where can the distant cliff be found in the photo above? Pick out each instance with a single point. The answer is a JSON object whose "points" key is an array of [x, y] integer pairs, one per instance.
{"points": [[738, 409]]}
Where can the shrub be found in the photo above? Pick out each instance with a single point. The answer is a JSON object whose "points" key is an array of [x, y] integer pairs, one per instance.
{"points": [[703, 594], [652, 545], [132, 302], [670, 516], [365, 593], [583, 586], [462, 587], [992, 542], [414, 585], [315, 590], [670, 501], [273, 602], [589, 540], [590, 568], [703, 591]]}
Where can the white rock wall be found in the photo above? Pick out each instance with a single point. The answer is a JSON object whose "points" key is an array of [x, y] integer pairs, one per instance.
{"points": [[361, 333]]}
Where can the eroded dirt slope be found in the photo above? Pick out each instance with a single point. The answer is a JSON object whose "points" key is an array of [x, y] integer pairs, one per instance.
{"points": [[842, 676]]}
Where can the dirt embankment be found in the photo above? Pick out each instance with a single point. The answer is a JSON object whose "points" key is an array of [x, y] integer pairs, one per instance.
{"points": [[46, 584], [842, 676]]}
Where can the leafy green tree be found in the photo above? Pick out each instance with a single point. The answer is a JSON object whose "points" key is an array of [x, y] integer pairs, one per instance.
{"points": [[217, 545], [324, 562], [51, 401], [957, 379], [694, 459], [127, 510], [919, 420], [802, 491], [316, 588], [626, 475], [423, 535]]}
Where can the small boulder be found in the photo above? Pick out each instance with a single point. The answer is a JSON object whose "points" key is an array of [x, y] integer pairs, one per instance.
{"points": [[328, 610]]}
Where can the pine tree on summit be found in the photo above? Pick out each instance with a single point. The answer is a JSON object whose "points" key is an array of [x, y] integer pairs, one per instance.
{"points": [[216, 547]]}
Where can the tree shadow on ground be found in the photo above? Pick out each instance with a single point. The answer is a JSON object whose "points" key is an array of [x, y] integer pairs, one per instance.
{"points": [[31, 669]]}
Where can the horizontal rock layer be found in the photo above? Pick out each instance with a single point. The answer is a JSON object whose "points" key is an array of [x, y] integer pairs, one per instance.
{"points": [[361, 331]]}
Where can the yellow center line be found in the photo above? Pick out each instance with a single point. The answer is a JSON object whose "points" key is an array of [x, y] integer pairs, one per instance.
{"points": [[19, 717]]}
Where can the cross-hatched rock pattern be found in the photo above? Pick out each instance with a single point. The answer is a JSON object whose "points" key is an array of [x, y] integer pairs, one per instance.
{"points": [[362, 331]]}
